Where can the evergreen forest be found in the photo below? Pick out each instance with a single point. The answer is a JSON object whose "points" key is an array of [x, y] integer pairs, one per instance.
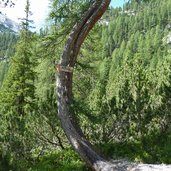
{"points": [[121, 87]]}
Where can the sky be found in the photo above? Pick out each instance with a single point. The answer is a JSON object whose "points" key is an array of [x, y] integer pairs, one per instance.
{"points": [[39, 9], [117, 3]]}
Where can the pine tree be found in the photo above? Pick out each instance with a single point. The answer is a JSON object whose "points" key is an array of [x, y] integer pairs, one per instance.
{"points": [[17, 96]]}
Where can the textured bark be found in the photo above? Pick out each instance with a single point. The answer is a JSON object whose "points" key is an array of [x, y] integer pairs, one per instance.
{"points": [[64, 85], [64, 92]]}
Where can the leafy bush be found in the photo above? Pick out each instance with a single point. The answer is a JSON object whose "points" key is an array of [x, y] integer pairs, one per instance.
{"points": [[65, 160]]}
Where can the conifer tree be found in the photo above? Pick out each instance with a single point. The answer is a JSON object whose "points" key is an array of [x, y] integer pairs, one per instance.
{"points": [[17, 96]]}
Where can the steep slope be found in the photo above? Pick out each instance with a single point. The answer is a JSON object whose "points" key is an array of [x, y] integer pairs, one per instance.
{"points": [[7, 49], [135, 79]]}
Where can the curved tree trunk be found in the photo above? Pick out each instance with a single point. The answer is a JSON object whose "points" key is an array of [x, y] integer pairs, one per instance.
{"points": [[64, 92], [64, 85]]}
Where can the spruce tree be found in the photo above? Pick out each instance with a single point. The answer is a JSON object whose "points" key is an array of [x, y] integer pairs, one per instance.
{"points": [[17, 96]]}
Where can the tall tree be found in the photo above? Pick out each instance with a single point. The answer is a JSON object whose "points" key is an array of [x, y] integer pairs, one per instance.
{"points": [[64, 84], [17, 97]]}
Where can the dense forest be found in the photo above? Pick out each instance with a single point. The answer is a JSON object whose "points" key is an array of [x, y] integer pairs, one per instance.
{"points": [[121, 87], [7, 50]]}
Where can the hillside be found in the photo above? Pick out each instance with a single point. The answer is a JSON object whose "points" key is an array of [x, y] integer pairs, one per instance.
{"points": [[7, 50]]}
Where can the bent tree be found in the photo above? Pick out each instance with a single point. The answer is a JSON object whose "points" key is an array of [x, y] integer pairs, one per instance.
{"points": [[64, 84], [65, 67]]}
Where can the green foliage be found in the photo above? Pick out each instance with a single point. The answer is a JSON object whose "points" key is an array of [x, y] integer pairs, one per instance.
{"points": [[17, 100], [7, 42], [121, 87], [59, 161], [63, 11], [151, 149], [7, 50], [133, 97]]}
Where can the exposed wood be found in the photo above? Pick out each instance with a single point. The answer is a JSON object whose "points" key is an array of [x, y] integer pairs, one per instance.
{"points": [[60, 68]]}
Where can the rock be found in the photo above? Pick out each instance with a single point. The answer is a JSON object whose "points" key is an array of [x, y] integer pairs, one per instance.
{"points": [[167, 39]]}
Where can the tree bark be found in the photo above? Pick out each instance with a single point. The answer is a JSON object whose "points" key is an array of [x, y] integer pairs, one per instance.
{"points": [[64, 92]]}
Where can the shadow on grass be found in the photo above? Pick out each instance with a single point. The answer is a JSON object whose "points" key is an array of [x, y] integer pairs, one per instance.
{"points": [[150, 150]]}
